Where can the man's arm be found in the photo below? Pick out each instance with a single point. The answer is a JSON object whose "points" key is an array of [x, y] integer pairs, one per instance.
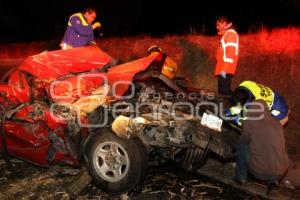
{"points": [[84, 30]]}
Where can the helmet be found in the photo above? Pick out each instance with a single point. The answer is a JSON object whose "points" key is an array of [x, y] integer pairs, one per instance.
{"points": [[154, 48]]}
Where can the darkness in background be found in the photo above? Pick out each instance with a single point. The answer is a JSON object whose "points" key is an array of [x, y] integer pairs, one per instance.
{"points": [[26, 21]]}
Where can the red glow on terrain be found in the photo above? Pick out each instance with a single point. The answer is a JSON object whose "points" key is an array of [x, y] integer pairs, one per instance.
{"points": [[281, 40], [21, 50], [284, 40]]}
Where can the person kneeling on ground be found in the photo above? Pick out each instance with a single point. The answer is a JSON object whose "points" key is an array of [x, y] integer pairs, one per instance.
{"points": [[261, 149]]}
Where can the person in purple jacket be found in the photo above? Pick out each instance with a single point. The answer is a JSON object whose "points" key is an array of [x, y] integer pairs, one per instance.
{"points": [[80, 30]]}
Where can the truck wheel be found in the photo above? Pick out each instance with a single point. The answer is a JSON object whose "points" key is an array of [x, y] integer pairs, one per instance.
{"points": [[116, 165]]}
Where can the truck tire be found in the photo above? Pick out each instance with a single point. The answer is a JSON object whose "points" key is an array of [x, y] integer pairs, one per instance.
{"points": [[116, 165]]}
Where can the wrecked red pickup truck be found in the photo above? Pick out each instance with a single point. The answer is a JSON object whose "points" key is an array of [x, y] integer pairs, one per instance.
{"points": [[79, 107]]}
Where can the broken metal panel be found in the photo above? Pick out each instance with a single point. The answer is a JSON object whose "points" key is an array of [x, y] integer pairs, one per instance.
{"points": [[28, 141], [72, 88], [51, 65], [17, 90], [31, 113], [56, 122], [82, 106], [133, 67], [85, 105]]}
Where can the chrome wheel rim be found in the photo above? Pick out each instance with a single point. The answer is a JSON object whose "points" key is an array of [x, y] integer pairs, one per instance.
{"points": [[111, 161]]}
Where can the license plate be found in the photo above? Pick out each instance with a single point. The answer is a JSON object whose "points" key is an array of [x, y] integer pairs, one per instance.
{"points": [[212, 122]]}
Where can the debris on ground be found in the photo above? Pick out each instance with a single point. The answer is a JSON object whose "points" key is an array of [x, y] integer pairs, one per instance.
{"points": [[167, 182]]}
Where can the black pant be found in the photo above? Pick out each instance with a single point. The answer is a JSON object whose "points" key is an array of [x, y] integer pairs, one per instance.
{"points": [[224, 85]]}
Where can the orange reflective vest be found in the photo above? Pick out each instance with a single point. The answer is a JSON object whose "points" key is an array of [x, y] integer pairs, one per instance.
{"points": [[228, 53]]}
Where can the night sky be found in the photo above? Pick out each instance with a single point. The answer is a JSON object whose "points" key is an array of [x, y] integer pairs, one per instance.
{"points": [[27, 21]]}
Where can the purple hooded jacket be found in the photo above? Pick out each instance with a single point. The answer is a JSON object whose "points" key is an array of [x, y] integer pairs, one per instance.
{"points": [[79, 33]]}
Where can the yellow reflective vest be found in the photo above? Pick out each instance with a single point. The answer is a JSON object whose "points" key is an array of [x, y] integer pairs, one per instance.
{"points": [[80, 16], [260, 91]]}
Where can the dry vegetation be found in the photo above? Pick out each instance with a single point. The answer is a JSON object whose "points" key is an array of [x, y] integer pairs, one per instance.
{"points": [[271, 58]]}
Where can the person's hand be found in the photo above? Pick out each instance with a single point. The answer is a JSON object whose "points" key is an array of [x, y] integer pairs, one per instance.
{"points": [[223, 74], [96, 25], [238, 120]]}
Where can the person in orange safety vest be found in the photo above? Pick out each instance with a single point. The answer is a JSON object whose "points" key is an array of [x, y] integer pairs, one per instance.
{"points": [[227, 55]]}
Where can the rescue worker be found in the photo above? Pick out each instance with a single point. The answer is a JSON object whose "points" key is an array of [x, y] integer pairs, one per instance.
{"points": [[227, 55], [170, 67], [79, 31], [249, 91], [261, 149]]}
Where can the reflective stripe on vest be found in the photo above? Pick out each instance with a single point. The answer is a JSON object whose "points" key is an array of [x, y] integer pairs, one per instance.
{"points": [[260, 92], [83, 22], [233, 44]]}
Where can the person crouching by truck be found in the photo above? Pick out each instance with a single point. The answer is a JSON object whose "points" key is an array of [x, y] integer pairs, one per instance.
{"points": [[261, 149], [80, 30]]}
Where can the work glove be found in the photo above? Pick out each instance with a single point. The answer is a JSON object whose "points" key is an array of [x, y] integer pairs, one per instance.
{"points": [[233, 111], [238, 121], [96, 25], [223, 74]]}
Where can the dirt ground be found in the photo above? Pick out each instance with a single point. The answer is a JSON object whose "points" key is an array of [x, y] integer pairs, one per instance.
{"points": [[212, 181], [25, 181]]}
